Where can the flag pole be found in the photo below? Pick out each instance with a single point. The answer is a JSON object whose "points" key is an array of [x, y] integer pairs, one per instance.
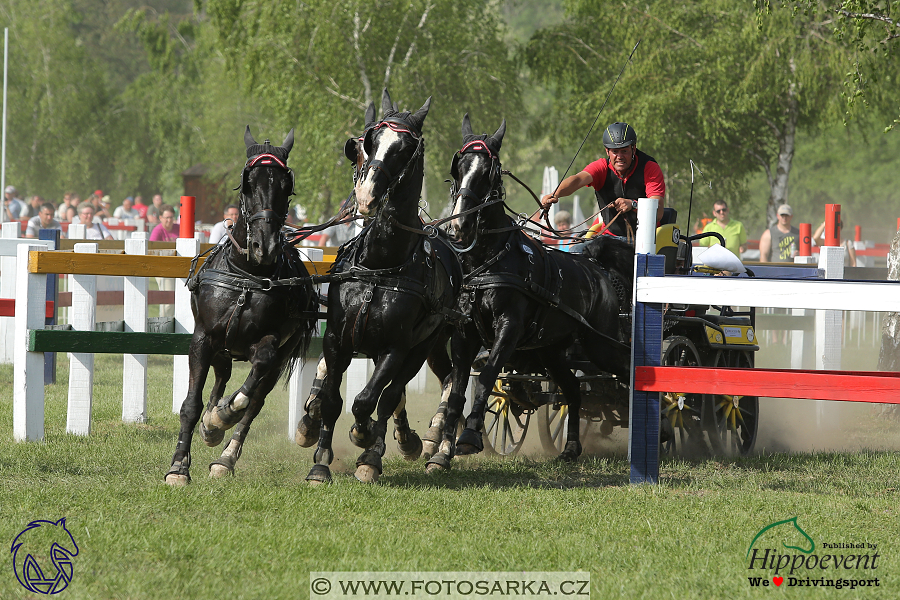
{"points": [[3, 142]]}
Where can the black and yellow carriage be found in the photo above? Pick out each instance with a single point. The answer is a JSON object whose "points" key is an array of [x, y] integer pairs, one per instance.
{"points": [[691, 424]]}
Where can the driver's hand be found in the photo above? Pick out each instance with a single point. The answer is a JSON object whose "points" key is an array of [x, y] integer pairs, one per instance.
{"points": [[624, 204], [549, 199]]}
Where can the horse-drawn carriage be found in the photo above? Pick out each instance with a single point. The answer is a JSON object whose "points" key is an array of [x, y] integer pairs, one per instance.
{"points": [[691, 424]]}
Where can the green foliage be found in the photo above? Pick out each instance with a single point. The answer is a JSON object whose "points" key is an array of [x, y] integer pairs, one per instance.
{"points": [[316, 65], [706, 84]]}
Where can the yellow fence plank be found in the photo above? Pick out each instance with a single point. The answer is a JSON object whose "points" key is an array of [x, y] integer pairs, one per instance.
{"points": [[124, 264]]}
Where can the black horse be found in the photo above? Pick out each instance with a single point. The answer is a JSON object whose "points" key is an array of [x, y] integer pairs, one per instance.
{"points": [[307, 434], [252, 300], [392, 290], [527, 303]]}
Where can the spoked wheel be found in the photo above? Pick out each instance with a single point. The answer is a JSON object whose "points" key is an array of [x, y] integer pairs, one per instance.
{"points": [[733, 423], [505, 420], [681, 431], [553, 427]]}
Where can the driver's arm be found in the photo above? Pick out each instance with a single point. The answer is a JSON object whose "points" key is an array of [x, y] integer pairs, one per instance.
{"points": [[569, 185]]}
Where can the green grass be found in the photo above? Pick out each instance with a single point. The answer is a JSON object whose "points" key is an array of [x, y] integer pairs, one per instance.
{"points": [[259, 534]]}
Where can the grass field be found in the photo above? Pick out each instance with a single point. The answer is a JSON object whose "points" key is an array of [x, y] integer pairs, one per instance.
{"points": [[259, 534]]}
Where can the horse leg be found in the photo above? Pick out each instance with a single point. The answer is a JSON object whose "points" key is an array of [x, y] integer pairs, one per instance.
{"points": [[408, 441], [198, 361], [505, 343], [222, 367], [362, 432], [464, 347], [229, 411], [368, 465], [337, 360], [440, 364], [554, 361], [309, 425]]}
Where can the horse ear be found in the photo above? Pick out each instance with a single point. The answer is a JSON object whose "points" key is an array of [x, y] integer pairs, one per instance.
{"points": [[418, 118], [466, 127], [386, 105], [289, 141], [370, 115], [351, 150], [498, 135], [248, 138]]}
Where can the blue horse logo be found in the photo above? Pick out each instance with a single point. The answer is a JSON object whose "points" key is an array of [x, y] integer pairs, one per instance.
{"points": [[40, 545]]}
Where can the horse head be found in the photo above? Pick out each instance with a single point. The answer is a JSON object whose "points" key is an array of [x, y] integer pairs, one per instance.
{"points": [[267, 185], [392, 147], [476, 175]]}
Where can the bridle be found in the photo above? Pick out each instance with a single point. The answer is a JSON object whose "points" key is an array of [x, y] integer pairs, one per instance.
{"points": [[495, 195], [267, 214], [371, 163]]}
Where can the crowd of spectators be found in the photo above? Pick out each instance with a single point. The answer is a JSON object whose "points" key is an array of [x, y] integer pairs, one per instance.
{"points": [[38, 213]]}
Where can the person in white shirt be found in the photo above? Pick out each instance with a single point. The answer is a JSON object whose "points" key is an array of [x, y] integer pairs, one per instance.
{"points": [[127, 210], [93, 230], [218, 231]]}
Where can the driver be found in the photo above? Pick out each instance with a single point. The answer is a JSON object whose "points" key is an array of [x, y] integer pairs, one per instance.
{"points": [[625, 175]]}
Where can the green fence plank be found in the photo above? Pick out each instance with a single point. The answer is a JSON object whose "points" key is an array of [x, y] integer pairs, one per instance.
{"points": [[118, 342], [108, 342]]}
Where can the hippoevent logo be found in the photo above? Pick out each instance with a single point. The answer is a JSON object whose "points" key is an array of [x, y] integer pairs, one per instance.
{"points": [[42, 556], [782, 553]]}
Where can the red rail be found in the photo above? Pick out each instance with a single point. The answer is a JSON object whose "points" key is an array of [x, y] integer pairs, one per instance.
{"points": [[8, 308]]}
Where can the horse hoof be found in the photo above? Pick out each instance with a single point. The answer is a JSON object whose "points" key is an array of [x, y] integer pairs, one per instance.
{"points": [[366, 474], [438, 463], [211, 437], [307, 432], [319, 474], [177, 480], [217, 471], [362, 440], [412, 448], [466, 449]]}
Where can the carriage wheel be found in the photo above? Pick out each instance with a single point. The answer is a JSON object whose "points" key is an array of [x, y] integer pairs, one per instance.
{"points": [[732, 427], [553, 427], [681, 430], [505, 421]]}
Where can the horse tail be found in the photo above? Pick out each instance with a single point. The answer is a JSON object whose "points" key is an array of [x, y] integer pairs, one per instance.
{"points": [[613, 254]]}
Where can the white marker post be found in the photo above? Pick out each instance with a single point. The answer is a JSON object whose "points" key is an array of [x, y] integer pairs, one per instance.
{"points": [[81, 365], [184, 323], [134, 367], [28, 376]]}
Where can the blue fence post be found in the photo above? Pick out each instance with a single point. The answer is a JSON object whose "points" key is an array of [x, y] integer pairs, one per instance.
{"points": [[646, 350], [53, 296]]}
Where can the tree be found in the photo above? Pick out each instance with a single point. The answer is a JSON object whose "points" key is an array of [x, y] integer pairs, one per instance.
{"points": [[707, 84], [316, 65]]}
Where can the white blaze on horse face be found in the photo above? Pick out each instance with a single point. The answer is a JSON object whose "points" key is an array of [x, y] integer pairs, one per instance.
{"points": [[365, 187], [465, 183]]}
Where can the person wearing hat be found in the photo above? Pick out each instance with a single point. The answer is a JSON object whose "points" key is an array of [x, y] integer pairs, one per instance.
{"points": [[625, 175], [779, 242], [105, 210], [12, 206]]}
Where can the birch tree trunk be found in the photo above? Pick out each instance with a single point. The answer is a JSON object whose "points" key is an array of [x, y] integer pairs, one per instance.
{"points": [[778, 190]]}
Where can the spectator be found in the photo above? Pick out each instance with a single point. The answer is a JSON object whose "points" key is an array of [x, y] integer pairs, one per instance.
{"points": [[63, 207], [219, 229], [338, 235], [849, 255], [127, 210], [11, 204], [154, 210], [32, 209], [72, 211], [731, 229], [43, 220], [563, 224], [93, 230], [140, 206], [105, 210], [166, 231], [779, 242]]}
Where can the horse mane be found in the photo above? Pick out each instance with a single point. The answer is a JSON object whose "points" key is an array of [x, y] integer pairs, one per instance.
{"points": [[613, 254]]}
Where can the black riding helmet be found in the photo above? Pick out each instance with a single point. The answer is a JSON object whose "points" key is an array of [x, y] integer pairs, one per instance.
{"points": [[619, 135]]}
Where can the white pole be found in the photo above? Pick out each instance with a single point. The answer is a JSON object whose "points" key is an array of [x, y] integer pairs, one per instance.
{"points": [[28, 377], [3, 142], [81, 364]]}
